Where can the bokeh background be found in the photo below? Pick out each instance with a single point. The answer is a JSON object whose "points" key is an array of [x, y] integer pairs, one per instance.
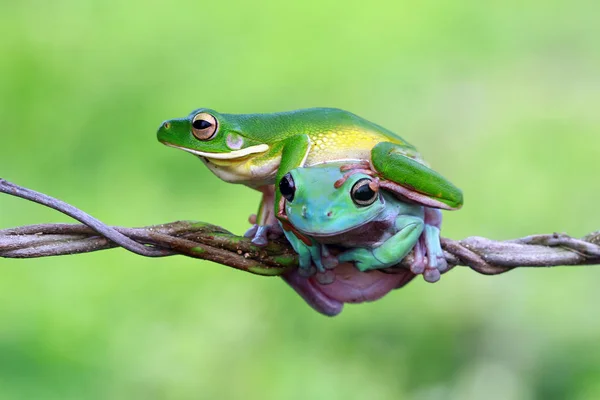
{"points": [[502, 97]]}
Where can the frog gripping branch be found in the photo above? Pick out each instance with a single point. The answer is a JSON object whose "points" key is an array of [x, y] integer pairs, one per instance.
{"points": [[260, 150], [375, 229]]}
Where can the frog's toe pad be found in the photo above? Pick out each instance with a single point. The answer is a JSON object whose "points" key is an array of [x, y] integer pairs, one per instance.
{"points": [[442, 264], [329, 262], [417, 267], [325, 278], [251, 232], [261, 234], [431, 275], [307, 272]]}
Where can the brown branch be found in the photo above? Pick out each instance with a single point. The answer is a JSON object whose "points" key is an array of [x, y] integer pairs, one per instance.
{"points": [[209, 242]]}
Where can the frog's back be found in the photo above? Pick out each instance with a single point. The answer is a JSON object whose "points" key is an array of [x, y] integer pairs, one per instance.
{"points": [[335, 134]]}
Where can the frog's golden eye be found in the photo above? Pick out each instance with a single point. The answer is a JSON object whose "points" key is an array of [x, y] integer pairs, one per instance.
{"points": [[204, 126], [362, 194]]}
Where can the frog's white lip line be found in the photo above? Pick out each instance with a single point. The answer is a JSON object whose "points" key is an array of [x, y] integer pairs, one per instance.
{"points": [[232, 155]]}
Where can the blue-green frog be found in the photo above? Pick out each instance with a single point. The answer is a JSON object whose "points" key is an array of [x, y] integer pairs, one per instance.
{"points": [[322, 208]]}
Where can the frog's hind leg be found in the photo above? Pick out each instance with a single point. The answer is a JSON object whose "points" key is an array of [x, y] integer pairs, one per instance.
{"points": [[265, 224]]}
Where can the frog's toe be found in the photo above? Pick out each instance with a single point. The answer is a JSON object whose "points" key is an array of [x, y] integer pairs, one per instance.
{"points": [[330, 262], [436, 260], [251, 232], [260, 236], [307, 272], [431, 275], [252, 219], [442, 264], [417, 268], [418, 265], [325, 278]]}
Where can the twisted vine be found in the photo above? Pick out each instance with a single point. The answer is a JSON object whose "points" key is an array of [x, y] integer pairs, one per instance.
{"points": [[209, 242]]}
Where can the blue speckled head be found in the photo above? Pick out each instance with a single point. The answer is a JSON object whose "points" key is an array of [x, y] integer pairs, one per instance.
{"points": [[318, 208]]}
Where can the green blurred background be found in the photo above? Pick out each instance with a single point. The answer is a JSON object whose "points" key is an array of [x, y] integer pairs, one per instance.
{"points": [[502, 97]]}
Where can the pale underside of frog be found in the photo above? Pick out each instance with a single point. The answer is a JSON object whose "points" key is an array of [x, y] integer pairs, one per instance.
{"points": [[257, 150]]}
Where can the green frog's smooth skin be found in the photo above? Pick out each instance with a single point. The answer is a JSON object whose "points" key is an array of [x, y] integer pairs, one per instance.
{"points": [[375, 230], [257, 150]]}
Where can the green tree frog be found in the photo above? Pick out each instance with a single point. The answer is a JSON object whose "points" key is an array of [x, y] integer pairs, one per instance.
{"points": [[321, 207], [257, 150]]}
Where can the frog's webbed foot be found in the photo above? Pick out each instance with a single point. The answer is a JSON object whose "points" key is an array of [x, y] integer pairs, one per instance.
{"points": [[429, 257], [261, 234], [258, 233]]}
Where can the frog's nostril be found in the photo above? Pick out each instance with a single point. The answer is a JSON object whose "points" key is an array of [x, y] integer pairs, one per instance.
{"points": [[329, 213], [166, 125]]}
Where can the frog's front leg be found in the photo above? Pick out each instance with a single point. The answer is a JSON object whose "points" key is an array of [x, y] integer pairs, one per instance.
{"points": [[390, 252], [429, 256], [293, 154], [265, 224], [309, 251]]}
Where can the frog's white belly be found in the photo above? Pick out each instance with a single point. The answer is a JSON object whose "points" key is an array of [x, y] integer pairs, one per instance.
{"points": [[245, 172]]}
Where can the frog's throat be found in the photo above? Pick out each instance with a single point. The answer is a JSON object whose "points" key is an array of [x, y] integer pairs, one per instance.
{"points": [[232, 155]]}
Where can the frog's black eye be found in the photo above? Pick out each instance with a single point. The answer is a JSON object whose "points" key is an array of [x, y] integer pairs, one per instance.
{"points": [[362, 194], [204, 126], [287, 187]]}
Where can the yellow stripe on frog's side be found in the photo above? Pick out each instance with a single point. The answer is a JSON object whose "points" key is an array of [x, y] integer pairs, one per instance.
{"points": [[345, 144]]}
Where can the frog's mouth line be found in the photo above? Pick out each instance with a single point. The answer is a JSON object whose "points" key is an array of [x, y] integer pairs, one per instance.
{"points": [[232, 155], [320, 233]]}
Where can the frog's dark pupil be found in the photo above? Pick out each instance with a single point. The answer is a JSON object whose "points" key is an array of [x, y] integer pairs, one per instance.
{"points": [[363, 193], [201, 124], [287, 187]]}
